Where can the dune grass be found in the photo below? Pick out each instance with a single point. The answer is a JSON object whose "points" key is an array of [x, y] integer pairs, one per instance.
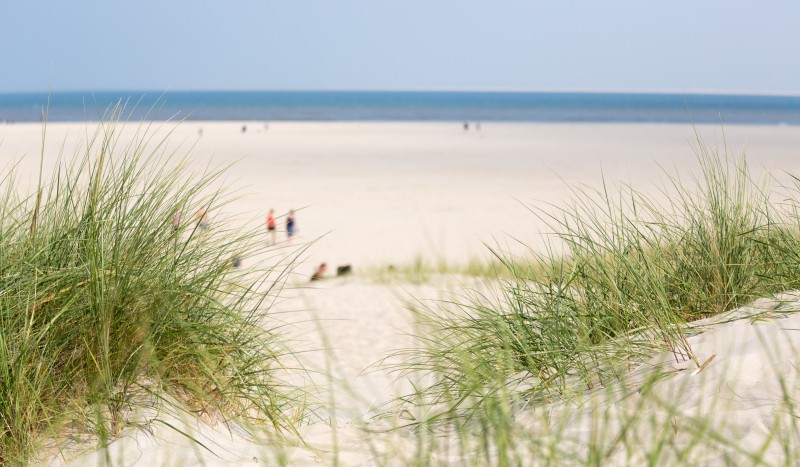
{"points": [[623, 274], [104, 304]]}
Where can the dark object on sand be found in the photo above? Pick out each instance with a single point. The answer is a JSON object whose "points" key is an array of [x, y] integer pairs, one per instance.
{"points": [[344, 270], [237, 261]]}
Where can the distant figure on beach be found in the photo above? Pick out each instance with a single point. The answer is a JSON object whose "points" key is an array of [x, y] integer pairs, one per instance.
{"points": [[244, 128], [237, 261], [266, 126], [290, 225], [203, 221], [321, 270], [466, 126], [176, 225], [271, 226], [200, 131], [477, 126]]}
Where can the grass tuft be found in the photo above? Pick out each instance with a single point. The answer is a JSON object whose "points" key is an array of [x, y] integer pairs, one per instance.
{"points": [[621, 276], [105, 306]]}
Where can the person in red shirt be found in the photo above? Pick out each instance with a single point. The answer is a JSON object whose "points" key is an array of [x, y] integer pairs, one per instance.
{"points": [[271, 226]]}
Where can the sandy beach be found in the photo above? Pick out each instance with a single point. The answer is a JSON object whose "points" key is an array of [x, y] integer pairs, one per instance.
{"points": [[372, 194], [377, 194]]}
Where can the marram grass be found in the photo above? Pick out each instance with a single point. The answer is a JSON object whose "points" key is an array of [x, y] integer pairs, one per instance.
{"points": [[623, 274], [104, 304]]}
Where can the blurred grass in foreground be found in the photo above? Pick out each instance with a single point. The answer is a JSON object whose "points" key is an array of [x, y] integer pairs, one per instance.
{"points": [[104, 304]]}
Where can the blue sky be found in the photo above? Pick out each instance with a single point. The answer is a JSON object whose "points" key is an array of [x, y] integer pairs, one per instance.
{"points": [[696, 45]]}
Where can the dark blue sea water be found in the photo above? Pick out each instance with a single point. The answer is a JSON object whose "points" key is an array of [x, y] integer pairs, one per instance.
{"points": [[408, 106]]}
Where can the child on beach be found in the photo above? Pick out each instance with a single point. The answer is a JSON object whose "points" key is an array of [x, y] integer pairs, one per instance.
{"points": [[271, 226], [290, 225], [203, 221], [176, 222]]}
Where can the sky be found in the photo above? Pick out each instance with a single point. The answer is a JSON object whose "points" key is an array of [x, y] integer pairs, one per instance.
{"points": [[618, 45]]}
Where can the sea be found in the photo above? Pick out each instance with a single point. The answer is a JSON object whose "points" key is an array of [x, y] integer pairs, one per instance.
{"points": [[404, 106]]}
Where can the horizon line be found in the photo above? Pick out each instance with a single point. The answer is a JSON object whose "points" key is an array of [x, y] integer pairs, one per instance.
{"points": [[720, 92]]}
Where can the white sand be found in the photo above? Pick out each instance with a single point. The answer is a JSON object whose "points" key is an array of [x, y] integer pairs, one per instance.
{"points": [[380, 193], [744, 401], [375, 193]]}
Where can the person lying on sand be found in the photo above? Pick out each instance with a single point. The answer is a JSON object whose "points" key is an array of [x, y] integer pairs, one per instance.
{"points": [[320, 272]]}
